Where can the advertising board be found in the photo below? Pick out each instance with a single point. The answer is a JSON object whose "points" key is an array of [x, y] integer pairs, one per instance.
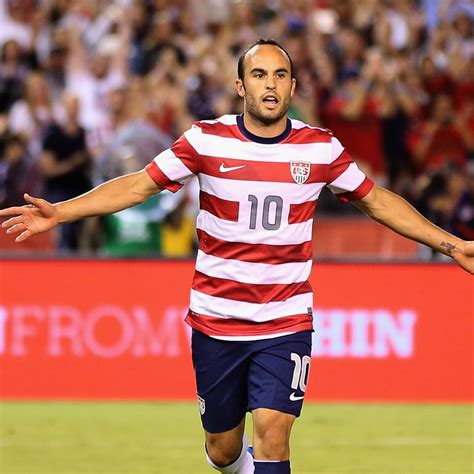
{"points": [[115, 330]]}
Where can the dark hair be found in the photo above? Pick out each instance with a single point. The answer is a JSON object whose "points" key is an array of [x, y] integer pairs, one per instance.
{"points": [[261, 41], [13, 139]]}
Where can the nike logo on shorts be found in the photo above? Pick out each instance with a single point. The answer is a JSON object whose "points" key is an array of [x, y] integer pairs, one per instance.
{"points": [[223, 169], [294, 398]]}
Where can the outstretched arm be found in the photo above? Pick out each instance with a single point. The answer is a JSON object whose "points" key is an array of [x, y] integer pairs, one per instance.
{"points": [[112, 196], [394, 212]]}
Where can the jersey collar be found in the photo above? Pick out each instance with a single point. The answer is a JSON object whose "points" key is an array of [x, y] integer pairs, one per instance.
{"points": [[265, 140]]}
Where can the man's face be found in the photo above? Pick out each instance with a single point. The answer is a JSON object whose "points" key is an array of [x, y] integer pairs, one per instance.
{"points": [[267, 87], [99, 66], [443, 109], [71, 105]]}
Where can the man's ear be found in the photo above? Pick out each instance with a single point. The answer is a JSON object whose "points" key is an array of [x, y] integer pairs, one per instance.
{"points": [[239, 85], [293, 86]]}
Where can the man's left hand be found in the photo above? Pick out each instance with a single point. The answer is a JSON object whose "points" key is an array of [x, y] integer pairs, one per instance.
{"points": [[464, 256]]}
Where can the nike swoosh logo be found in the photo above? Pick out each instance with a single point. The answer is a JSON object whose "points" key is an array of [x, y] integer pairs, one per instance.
{"points": [[294, 398], [223, 169]]}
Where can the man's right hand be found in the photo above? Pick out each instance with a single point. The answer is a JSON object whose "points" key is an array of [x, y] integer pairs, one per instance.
{"points": [[38, 216]]}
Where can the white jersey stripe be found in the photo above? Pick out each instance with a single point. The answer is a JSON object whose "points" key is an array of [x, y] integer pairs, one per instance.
{"points": [[212, 145], [351, 179], [173, 167], [337, 148], [239, 231], [225, 308], [225, 188], [252, 338], [249, 272]]}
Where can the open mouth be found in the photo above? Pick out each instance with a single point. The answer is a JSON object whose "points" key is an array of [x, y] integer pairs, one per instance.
{"points": [[270, 101]]}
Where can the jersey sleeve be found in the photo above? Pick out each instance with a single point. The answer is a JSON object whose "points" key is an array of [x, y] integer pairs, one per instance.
{"points": [[344, 178], [175, 166]]}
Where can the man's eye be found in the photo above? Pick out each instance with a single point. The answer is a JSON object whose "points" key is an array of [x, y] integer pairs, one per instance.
{"points": [[259, 75], [281, 75]]}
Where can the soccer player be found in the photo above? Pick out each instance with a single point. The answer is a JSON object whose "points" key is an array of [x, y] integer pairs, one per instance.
{"points": [[260, 176]]}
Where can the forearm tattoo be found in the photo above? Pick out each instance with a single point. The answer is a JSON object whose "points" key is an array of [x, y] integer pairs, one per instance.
{"points": [[449, 247]]}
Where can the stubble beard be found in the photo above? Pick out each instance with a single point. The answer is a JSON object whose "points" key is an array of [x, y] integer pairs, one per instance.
{"points": [[253, 111]]}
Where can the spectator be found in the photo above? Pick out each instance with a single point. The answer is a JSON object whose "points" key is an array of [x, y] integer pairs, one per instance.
{"points": [[139, 23], [92, 76], [14, 23], [134, 138], [19, 174], [159, 40], [461, 221], [31, 115], [55, 72], [354, 113], [66, 166], [443, 138], [351, 50], [400, 102], [434, 76], [13, 72], [399, 25], [447, 197]]}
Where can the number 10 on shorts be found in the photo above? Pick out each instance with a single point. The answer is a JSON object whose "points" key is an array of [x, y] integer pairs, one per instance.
{"points": [[300, 372]]}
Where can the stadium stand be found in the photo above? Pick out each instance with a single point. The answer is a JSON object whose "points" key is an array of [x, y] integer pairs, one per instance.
{"points": [[392, 79]]}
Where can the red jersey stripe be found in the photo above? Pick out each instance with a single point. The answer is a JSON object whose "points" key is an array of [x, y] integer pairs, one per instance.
{"points": [[256, 253], [248, 292], [222, 130], [361, 191], [258, 170], [228, 210], [338, 166], [238, 327], [307, 135], [301, 212], [186, 153], [160, 178]]}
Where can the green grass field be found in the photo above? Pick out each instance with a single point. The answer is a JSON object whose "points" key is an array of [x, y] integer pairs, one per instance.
{"points": [[165, 438]]}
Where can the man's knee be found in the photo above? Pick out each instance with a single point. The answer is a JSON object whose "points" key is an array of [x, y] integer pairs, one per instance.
{"points": [[272, 431], [223, 450], [272, 443], [229, 454]]}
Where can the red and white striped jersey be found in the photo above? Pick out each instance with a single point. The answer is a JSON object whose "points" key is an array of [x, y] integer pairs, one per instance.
{"points": [[257, 201]]}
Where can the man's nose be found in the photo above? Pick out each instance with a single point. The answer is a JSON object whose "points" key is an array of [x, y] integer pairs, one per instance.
{"points": [[271, 84]]}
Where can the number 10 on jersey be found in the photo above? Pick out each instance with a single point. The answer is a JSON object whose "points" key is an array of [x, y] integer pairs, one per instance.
{"points": [[271, 216]]}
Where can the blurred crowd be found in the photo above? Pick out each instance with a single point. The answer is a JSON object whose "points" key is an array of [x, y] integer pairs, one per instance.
{"points": [[91, 89]]}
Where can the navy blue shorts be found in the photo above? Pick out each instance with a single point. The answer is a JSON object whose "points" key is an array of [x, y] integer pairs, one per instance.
{"points": [[234, 377]]}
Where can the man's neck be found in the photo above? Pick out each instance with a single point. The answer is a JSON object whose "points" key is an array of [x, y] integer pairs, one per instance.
{"points": [[262, 130]]}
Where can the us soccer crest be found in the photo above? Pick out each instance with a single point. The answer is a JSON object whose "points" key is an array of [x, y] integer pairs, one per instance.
{"points": [[300, 170], [202, 405]]}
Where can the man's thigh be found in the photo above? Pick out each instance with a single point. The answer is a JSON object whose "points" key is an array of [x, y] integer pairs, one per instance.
{"points": [[221, 369], [278, 373]]}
